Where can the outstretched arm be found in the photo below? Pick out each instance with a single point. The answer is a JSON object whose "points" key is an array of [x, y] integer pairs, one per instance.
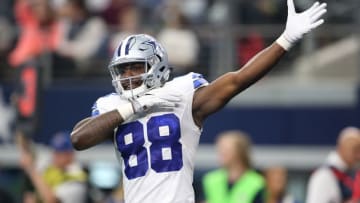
{"points": [[213, 97]]}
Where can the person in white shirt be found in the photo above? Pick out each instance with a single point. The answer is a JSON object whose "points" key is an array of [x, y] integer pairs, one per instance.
{"points": [[331, 183]]}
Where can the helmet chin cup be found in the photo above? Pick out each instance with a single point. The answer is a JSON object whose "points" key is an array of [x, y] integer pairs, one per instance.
{"points": [[134, 93], [131, 93]]}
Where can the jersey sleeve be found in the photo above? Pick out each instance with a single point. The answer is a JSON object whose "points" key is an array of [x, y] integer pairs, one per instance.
{"points": [[198, 80], [188, 84], [96, 109], [103, 105]]}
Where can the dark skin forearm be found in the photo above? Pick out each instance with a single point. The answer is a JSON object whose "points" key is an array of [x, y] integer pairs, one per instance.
{"points": [[257, 67], [213, 97], [94, 130]]}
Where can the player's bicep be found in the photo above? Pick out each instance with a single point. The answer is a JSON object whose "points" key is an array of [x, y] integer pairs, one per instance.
{"points": [[213, 97]]}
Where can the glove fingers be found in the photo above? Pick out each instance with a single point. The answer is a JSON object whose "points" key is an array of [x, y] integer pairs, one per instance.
{"points": [[291, 7], [314, 6], [318, 15], [167, 104], [317, 24], [317, 9], [174, 97]]}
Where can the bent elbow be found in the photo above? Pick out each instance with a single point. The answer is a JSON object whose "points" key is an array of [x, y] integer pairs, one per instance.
{"points": [[76, 141]]}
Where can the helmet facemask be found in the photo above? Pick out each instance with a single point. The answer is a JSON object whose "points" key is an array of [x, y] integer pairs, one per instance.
{"points": [[139, 49], [129, 86]]}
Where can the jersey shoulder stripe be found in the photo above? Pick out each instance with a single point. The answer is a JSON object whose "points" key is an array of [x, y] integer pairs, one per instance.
{"points": [[198, 80], [94, 110], [189, 82]]}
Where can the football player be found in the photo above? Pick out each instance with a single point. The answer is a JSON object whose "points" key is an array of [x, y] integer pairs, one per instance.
{"points": [[155, 124]]}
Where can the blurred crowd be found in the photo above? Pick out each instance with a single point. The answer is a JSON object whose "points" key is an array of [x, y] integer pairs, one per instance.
{"points": [[238, 181], [336, 180], [59, 177], [77, 37]]}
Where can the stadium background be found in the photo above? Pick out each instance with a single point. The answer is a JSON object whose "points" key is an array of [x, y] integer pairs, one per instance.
{"points": [[293, 115]]}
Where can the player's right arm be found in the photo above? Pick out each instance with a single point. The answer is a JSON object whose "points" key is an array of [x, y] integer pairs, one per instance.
{"points": [[94, 130]]}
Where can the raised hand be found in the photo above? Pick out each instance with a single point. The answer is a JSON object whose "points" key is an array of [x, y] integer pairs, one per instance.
{"points": [[298, 24]]}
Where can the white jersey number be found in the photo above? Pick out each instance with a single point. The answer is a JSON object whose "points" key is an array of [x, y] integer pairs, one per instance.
{"points": [[163, 133]]}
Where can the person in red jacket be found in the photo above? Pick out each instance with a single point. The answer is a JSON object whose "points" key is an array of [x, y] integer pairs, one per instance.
{"points": [[40, 31]]}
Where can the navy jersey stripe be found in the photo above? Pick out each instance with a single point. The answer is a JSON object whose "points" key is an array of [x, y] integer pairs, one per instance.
{"points": [[197, 75], [199, 82], [95, 112]]}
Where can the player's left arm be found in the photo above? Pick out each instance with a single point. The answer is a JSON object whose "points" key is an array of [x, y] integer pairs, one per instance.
{"points": [[213, 97]]}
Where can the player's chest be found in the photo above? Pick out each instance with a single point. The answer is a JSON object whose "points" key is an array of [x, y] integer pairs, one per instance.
{"points": [[150, 143], [150, 127]]}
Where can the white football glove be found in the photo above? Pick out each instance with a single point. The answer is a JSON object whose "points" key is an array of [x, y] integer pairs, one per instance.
{"points": [[298, 24], [143, 104], [155, 99]]}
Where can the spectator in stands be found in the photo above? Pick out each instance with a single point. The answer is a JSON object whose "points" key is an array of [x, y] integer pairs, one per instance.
{"points": [[236, 181], [113, 11], [61, 181], [194, 10], [180, 42], [40, 32], [260, 11], [84, 35], [249, 46], [334, 181], [276, 180], [6, 34], [128, 25]]}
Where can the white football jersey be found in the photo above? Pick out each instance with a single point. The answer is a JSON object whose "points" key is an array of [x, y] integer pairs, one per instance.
{"points": [[157, 150]]}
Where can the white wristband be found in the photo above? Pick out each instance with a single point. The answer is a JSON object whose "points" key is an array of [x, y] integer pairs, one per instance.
{"points": [[126, 110], [284, 43]]}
